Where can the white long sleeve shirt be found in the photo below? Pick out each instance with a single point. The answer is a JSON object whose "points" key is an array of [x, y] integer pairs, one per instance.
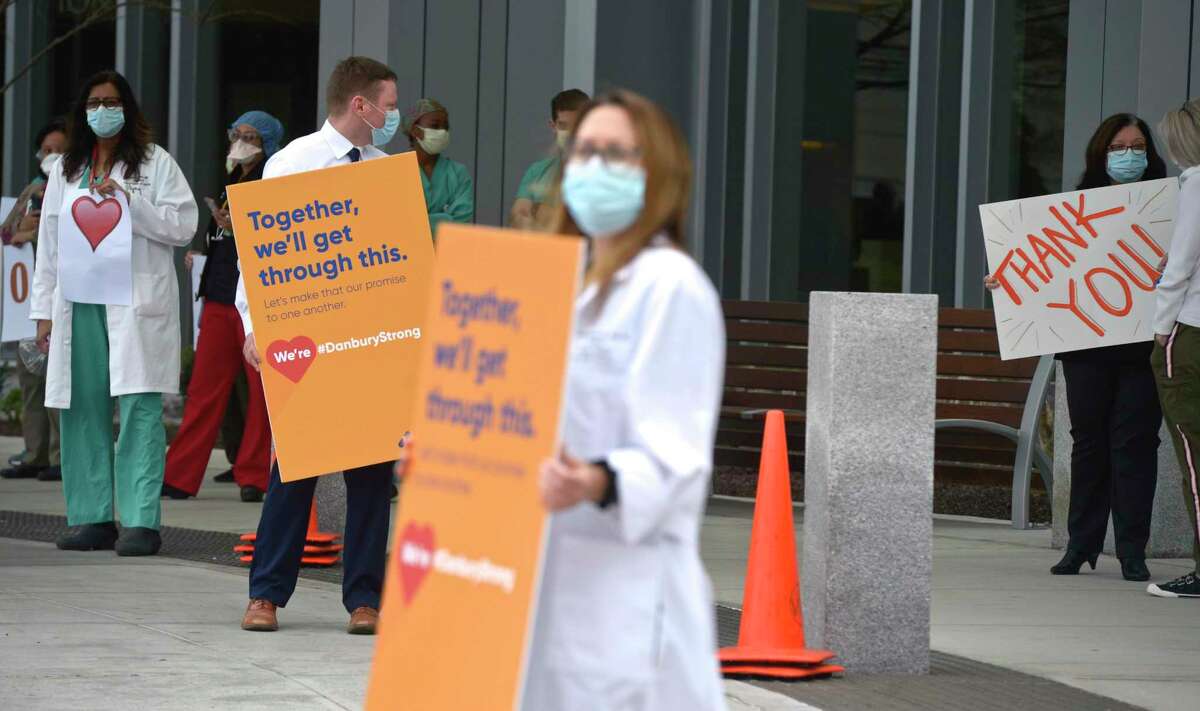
{"points": [[1178, 292], [323, 149]]}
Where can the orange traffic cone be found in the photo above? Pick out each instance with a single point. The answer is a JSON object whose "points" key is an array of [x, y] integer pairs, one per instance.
{"points": [[771, 636], [320, 549]]}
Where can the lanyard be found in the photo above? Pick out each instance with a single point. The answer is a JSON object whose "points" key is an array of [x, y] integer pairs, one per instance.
{"points": [[92, 180]]}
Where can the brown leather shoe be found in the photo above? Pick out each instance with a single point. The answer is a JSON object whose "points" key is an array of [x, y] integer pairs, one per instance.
{"points": [[260, 616], [363, 621]]}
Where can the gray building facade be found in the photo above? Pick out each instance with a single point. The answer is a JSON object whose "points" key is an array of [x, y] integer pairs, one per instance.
{"points": [[837, 144]]}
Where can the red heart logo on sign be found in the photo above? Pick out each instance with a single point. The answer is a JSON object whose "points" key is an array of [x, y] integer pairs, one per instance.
{"points": [[292, 358], [96, 220], [416, 558]]}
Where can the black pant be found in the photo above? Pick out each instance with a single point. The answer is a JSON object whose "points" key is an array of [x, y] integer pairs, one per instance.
{"points": [[284, 523], [1115, 419]]}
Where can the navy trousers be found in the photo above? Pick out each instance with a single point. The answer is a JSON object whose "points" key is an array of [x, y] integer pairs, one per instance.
{"points": [[284, 524]]}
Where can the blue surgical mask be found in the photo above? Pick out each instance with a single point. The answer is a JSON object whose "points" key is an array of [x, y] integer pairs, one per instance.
{"points": [[604, 200], [1126, 168], [106, 122], [391, 122]]}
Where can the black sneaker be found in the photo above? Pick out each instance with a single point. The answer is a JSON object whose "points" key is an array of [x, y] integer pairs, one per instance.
{"points": [[172, 493], [89, 537], [1183, 586], [21, 471], [50, 474], [139, 541], [225, 477], [251, 495]]}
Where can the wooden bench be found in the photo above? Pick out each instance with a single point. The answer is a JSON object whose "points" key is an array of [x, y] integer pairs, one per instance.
{"points": [[987, 409]]}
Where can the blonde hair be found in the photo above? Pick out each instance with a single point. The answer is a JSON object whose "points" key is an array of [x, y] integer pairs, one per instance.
{"points": [[1180, 130], [668, 181]]}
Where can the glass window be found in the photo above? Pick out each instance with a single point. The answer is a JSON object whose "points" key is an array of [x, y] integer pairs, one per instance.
{"points": [[1039, 60], [255, 54], [841, 131], [88, 32]]}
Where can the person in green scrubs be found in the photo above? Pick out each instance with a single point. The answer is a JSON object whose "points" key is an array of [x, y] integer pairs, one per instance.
{"points": [[539, 180], [449, 192], [107, 350]]}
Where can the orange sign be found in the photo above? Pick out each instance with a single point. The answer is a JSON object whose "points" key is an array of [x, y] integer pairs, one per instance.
{"points": [[336, 264], [469, 535]]}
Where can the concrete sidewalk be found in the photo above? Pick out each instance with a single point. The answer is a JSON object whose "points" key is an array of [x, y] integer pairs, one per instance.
{"points": [[92, 631], [994, 599]]}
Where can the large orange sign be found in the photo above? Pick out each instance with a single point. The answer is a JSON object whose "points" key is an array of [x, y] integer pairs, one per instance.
{"points": [[336, 264], [469, 535]]}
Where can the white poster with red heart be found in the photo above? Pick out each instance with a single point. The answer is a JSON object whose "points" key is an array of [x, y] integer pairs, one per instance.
{"points": [[95, 248]]}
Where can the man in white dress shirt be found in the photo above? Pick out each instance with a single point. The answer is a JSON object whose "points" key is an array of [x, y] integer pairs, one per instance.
{"points": [[361, 99]]}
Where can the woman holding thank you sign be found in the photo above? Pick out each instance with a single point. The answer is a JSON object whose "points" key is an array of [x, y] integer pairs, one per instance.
{"points": [[107, 304], [625, 616], [1114, 410]]}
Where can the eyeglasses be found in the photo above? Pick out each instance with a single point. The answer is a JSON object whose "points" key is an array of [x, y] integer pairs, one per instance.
{"points": [[609, 155], [108, 102], [1122, 150], [235, 135]]}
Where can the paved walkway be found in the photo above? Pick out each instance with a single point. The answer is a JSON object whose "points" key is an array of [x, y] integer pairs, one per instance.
{"points": [[994, 600], [88, 631]]}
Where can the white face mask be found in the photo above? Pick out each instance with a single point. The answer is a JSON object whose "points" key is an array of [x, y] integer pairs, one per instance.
{"points": [[434, 140], [48, 162], [242, 152], [560, 139]]}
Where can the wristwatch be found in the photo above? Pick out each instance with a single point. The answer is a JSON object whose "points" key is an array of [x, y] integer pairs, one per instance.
{"points": [[610, 488]]}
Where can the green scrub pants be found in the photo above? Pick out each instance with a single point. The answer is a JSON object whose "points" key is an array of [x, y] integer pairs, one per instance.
{"points": [[90, 465]]}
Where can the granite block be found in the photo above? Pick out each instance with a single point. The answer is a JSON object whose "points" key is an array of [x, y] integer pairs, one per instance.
{"points": [[868, 533]]}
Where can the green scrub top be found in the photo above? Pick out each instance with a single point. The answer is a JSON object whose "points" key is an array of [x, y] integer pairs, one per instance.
{"points": [[449, 193], [538, 181]]}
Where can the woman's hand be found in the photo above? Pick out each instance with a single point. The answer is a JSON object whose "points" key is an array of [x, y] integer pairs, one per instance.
{"points": [[28, 225], [221, 217], [990, 282], [566, 481], [189, 259], [1162, 339], [110, 188], [43, 335]]}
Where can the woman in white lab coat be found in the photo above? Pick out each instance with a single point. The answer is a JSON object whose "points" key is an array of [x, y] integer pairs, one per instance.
{"points": [[625, 619], [111, 327]]}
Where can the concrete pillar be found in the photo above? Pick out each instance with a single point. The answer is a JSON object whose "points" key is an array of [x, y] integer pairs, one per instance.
{"points": [[1170, 529], [868, 520]]}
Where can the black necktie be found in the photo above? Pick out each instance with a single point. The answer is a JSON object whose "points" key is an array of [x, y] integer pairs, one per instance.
{"points": [[355, 155]]}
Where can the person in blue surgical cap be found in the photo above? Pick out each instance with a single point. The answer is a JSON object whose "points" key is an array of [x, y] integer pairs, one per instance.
{"points": [[449, 192], [219, 365]]}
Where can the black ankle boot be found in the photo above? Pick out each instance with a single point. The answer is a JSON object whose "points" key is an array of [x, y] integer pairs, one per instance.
{"points": [[1134, 569], [89, 537], [1072, 561], [139, 541]]}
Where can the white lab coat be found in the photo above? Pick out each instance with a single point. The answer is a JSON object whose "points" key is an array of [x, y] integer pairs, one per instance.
{"points": [[143, 338], [625, 618]]}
